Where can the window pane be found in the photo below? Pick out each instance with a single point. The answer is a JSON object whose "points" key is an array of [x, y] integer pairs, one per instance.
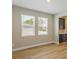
{"points": [[42, 26], [28, 25]]}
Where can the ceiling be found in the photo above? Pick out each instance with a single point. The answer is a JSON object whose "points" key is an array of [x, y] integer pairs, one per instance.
{"points": [[53, 7]]}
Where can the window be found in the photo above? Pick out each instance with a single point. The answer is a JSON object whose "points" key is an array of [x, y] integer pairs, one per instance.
{"points": [[42, 26], [28, 25]]}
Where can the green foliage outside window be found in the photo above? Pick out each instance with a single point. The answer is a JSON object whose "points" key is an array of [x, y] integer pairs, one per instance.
{"points": [[29, 21], [41, 29]]}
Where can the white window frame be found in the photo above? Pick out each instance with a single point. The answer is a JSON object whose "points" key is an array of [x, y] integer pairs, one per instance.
{"points": [[22, 19], [46, 26]]}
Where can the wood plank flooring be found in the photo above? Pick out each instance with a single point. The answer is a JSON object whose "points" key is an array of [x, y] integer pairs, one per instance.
{"points": [[50, 51]]}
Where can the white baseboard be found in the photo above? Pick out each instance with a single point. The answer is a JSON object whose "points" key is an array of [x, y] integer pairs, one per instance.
{"points": [[26, 47]]}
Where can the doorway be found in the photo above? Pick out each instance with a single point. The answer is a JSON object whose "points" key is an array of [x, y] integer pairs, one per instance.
{"points": [[63, 29]]}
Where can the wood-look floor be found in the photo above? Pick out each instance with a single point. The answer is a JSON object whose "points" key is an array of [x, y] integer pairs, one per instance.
{"points": [[51, 51]]}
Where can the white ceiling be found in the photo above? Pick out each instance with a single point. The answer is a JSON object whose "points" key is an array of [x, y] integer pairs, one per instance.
{"points": [[55, 6]]}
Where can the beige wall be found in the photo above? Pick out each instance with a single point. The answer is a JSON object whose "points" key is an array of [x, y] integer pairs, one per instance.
{"points": [[18, 40]]}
